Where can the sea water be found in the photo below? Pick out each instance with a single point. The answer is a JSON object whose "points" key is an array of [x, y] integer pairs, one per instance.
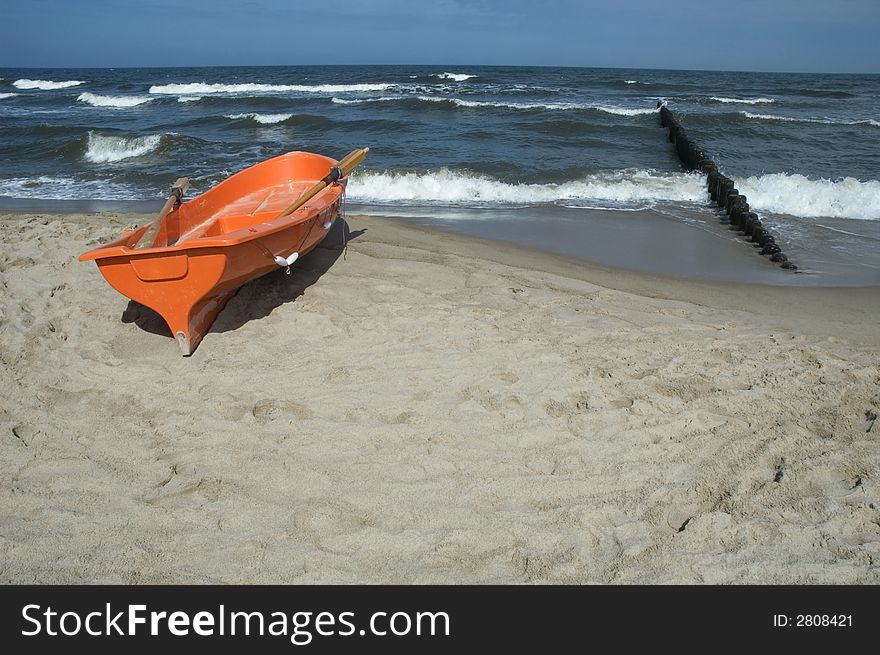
{"points": [[458, 145]]}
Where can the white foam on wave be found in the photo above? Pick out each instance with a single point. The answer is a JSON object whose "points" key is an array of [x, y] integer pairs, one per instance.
{"points": [[189, 98], [787, 119], [263, 119], [45, 85], [742, 101], [458, 102], [3, 96], [472, 104], [636, 82], [823, 121], [66, 188], [445, 186], [103, 149], [112, 101], [360, 101], [626, 111], [620, 111], [797, 195], [456, 77], [205, 88]]}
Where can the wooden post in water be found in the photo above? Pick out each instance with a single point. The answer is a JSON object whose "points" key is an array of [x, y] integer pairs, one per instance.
{"points": [[722, 190]]}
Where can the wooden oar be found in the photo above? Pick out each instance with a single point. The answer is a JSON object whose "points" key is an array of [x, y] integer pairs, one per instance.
{"points": [[177, 191], [342, 169]]}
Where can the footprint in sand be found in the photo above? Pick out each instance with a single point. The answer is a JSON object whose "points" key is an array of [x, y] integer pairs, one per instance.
{"points": [[267, 410], [22, 262], [24, 433], [175, 492]]}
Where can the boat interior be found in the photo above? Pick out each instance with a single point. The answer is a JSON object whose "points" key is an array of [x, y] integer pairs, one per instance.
{"points": [[253, 196], [257, 207]]}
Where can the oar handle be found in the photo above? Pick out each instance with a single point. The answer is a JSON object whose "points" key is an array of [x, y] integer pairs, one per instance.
{"points": [[179, 188], [337, 172]]}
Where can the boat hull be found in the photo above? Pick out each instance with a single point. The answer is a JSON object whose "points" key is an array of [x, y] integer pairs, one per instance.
{"points": [[190, 281]]}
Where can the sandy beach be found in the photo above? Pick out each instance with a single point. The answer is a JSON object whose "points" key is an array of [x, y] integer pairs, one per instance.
{"points": [[434, 408]]}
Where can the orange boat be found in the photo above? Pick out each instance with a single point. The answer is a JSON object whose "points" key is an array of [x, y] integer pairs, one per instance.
{"points": [[193, 258]]}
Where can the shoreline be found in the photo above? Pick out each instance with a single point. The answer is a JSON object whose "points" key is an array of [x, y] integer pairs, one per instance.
{"points": [[431, 407], [858, 305], [688, 243]]}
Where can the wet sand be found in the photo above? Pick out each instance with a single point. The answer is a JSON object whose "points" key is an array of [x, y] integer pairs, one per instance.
{"points": [[692, 242], [428, 407]]}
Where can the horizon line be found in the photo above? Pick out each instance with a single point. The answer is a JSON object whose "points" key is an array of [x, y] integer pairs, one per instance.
{"points": [[447, 65]]}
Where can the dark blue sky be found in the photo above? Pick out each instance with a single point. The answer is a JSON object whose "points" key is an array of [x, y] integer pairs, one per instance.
{"points": [[758, 35]]}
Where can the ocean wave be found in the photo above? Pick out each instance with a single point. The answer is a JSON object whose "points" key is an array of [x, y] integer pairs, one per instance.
{"points": [[742, 101], [797, 195], [45, 85], [627, 111], [560, 106], [636, 82], [3, 96], [66, 188], [360, 101], [823, 121], [458, 102], [205, 88], [112, 101], [456, 77], [786, 119], [474, 104], [448, 187], [103, 149], [263, 119]]}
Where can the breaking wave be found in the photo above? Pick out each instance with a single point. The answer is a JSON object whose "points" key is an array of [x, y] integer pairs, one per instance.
{"points": [[620, 111], [45, 85], [626, 111], [3, 96], [472, 104], [797, 195], [205, 88], [742, 101], [824, 121], [449, 187], [781, 193], [112, 101], [348, 101], [66, 188], [455, 77], [103, 149], [263, 119]]}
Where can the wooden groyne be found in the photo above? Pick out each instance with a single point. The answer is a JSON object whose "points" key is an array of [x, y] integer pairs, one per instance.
{"points": [[723, 191]]}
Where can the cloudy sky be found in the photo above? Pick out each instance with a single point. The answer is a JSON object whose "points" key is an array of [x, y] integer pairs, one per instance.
{"points": [[753, 35]]}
